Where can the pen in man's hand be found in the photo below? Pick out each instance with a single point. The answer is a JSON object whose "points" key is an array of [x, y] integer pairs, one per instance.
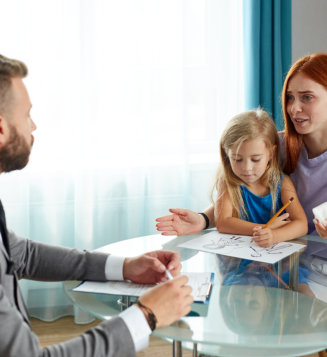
{"points": [[168, 273]]}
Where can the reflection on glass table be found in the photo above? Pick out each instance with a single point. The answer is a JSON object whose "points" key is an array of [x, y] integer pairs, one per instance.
{"points": [[249, 318]]}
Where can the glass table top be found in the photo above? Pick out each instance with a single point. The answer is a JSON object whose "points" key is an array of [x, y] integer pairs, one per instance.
{"points": [[250, 318]]}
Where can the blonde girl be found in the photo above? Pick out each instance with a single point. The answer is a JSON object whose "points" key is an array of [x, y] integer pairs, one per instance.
{"points": [[250, 186]]}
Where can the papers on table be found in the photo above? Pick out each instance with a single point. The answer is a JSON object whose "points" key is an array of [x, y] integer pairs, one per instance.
{"points": [[201, 284], [241, 247]]}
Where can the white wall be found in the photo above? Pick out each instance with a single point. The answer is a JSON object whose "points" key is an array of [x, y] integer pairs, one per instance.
{"points": [[309, 27]]}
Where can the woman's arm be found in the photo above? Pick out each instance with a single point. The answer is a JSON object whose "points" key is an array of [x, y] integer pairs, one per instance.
{"points": [[184, 221], [210, 213]]}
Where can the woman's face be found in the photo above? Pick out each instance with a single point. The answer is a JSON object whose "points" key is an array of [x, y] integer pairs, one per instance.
{"points": [[307, 104]]}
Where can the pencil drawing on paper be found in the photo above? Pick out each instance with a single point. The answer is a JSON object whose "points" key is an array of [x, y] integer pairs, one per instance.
{"points": [[222, 242], [236, 242], [240, 246], [274, 249]]}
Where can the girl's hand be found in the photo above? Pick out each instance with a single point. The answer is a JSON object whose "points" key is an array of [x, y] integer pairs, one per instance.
{"points": [[264, 237], [280, 221], [320, 228]]}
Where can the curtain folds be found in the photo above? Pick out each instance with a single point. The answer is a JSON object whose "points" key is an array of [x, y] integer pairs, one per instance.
{"points": [[129, 98], [267, 54]]}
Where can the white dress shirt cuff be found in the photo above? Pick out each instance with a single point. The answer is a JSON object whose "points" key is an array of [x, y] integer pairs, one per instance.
{"points": [[138, 327], [114, 267]]}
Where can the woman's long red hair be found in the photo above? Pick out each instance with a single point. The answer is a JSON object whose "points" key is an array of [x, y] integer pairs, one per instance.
{"points": [[315, 68]]}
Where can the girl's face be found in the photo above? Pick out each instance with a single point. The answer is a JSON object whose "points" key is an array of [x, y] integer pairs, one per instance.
{"points": [[250, 307], [249, 160], [307, 104]]}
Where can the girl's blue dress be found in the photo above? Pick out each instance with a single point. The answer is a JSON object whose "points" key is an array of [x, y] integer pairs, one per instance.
{"points": [[259, 211]]}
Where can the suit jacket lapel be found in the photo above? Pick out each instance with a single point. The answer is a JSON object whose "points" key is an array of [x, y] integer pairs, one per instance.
{"points": [[4, 251], [3, 229], [5, 240], [19, 300], [20, 303]]}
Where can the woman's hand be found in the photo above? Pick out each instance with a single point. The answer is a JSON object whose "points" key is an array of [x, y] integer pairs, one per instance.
{"points": [[180, 222], [320, 228]]}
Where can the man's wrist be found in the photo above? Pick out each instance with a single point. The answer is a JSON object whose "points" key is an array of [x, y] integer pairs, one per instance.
{"points": [[138, 326], [149, 315], [114, 267]]}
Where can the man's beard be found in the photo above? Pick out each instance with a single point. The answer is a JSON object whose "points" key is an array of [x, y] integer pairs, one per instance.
{"points": [[15, 155]]}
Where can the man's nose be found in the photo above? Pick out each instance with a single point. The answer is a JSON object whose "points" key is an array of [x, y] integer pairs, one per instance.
{"points": [[33, 125]]}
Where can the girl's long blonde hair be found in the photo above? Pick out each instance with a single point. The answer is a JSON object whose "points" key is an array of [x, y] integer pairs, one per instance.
{"points": [[250, 125]]}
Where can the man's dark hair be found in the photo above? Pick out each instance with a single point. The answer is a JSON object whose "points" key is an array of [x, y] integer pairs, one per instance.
{"points": [[9, 68]]}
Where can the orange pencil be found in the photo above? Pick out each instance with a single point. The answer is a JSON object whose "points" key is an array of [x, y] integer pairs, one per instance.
{"points": [[278, 213], [277, 277]]}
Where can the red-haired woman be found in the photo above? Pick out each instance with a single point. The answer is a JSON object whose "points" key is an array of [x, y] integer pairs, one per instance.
{"points": [[304, 153]]}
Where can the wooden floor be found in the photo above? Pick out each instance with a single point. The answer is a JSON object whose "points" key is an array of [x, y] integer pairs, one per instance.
{"points": [[64, 329]]}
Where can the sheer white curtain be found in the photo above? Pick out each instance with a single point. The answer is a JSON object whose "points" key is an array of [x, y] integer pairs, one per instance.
{"points": [[129, 98]]}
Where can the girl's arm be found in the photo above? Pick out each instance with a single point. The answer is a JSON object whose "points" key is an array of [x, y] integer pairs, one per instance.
{"points": [[297, 225], [226, 223]]}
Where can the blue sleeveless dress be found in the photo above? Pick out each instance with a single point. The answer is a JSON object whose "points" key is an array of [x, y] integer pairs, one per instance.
{"points": [[258, 210]]}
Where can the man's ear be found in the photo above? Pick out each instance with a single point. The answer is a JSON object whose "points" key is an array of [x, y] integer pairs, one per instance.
{"points": [[3, 131]]}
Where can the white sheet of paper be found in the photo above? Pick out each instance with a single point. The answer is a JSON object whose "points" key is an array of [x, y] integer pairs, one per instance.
{"points": [[238, 246], [200, 283]]}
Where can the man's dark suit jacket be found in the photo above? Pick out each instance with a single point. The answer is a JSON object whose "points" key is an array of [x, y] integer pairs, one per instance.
{"points": [[49, 263]]}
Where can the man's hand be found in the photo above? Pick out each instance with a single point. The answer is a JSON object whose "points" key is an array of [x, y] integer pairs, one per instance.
{"points": [[169, 301], [150, 268], [264, 237], [180, 222]]}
